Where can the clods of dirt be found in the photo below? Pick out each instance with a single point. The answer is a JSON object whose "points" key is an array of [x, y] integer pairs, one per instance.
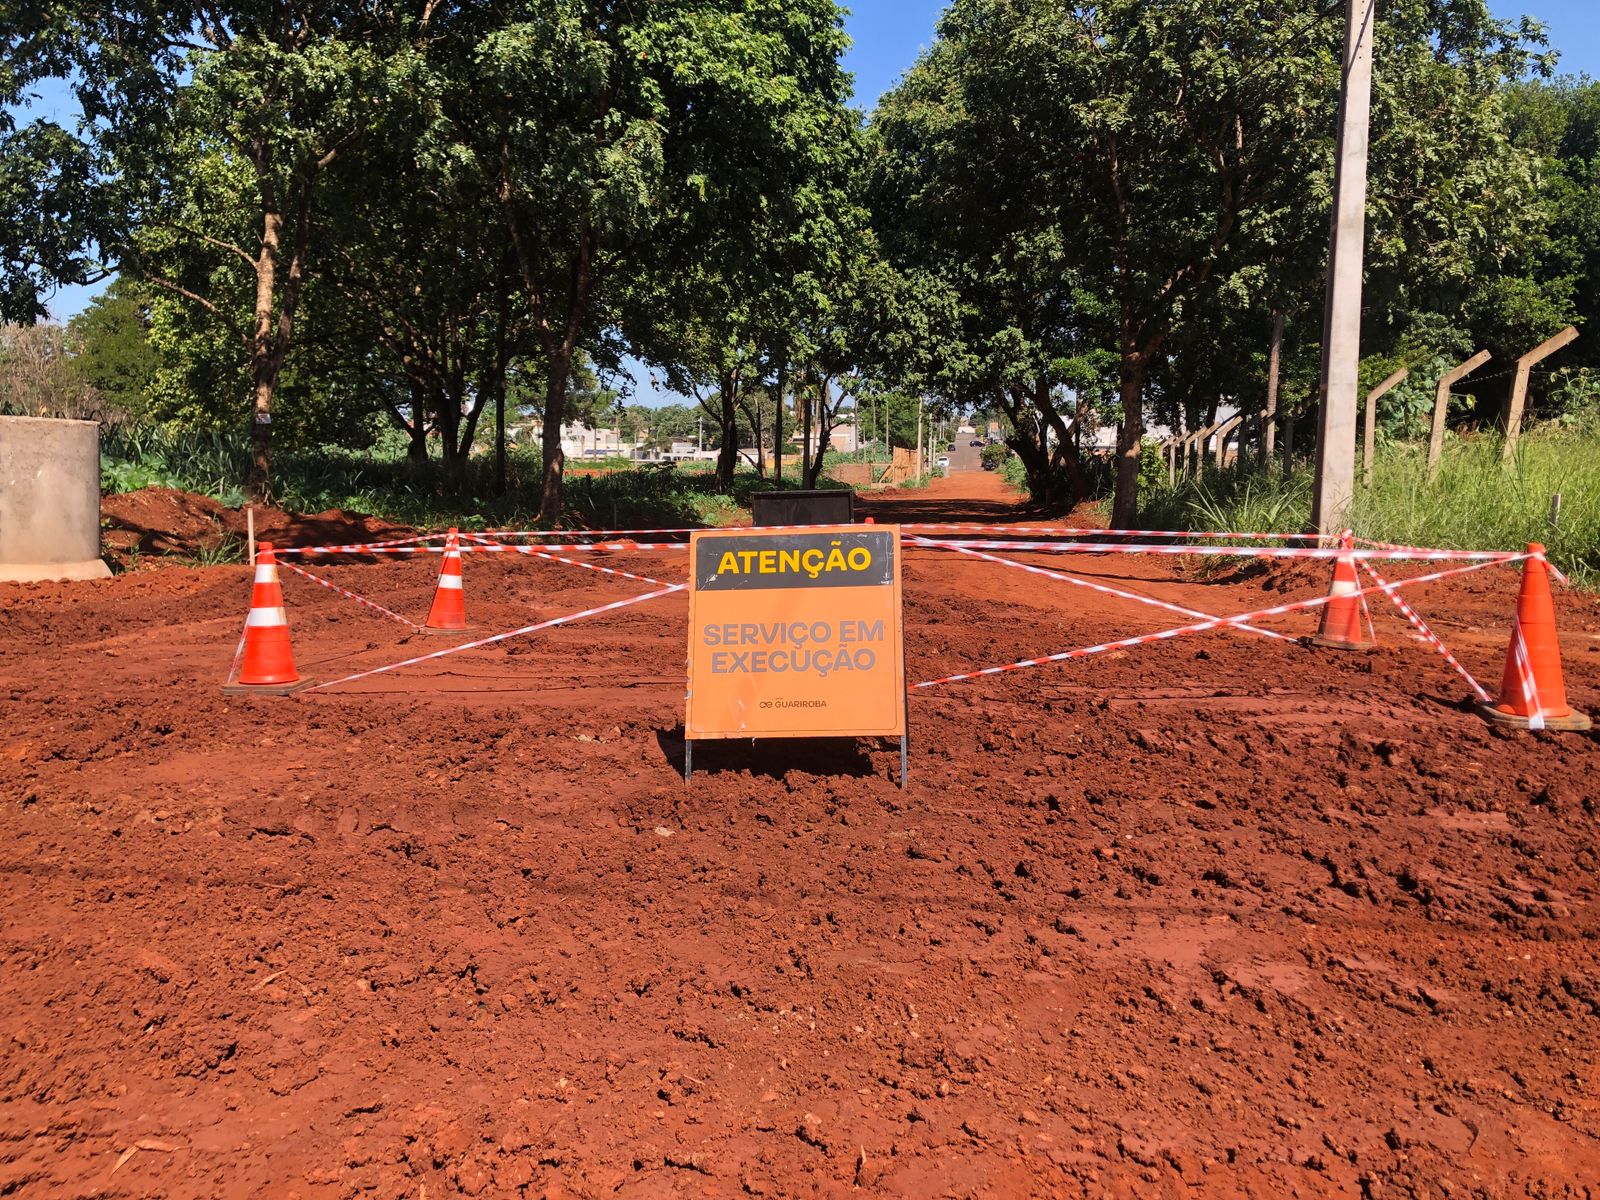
{"points": [[1218, 916]]}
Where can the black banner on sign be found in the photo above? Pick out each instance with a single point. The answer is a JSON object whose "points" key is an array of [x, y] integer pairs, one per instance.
{"points": [[795, 560]]}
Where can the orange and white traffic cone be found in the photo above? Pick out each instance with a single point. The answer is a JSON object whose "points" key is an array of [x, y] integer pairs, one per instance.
{"points": [[1532, 693], [449, 611], [266, 664], [1341, 616]]}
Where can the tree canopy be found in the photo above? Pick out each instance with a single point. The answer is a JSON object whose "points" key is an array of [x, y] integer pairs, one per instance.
{"points": [[433, 216]]}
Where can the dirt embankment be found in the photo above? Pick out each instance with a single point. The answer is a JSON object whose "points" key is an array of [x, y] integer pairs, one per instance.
{"points": [[1216, 917], [157, 521]]}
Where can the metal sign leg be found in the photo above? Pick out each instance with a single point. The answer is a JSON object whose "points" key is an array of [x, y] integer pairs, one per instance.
{"points": [[905, 738], [688, 759]]}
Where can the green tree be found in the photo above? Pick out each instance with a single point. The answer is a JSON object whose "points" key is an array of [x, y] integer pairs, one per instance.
{"points": [[211, 136], [1132, 143], [110, 346], [662, 132]]}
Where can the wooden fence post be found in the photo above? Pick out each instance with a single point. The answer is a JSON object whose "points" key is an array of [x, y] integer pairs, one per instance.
{"points": [[1369, 432], [1223, 431], [1441, 401], [1519, 388]]}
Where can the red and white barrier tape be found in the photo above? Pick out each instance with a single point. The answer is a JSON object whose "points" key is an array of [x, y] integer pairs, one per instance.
{"points": [[536, 552], [1427, 634], [1525, 676], [1200, 627], [610, 534], [233, 670], [1488, 556], [1377, 545], [349, 595], [586, 547], [572, 562], [491, 548], [355, 548], [500, 637], [1065, 531], [1105, 589]]}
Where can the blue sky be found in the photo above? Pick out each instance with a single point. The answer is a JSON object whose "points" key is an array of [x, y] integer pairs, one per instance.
{"points": [[889, 34]]}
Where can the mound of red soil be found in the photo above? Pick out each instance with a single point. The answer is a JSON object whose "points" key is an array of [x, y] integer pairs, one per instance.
{"points": [[167, 521], [1221, 916]]}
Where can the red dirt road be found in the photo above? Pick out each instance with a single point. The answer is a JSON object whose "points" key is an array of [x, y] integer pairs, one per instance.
{"points": [[1216, 917]]}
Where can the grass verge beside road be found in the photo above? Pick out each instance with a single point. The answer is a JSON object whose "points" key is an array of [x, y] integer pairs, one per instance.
{"points": [[1476, 502]]}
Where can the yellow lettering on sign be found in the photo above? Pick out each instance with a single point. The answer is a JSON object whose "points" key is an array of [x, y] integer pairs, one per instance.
{"points": [[813, 562]]}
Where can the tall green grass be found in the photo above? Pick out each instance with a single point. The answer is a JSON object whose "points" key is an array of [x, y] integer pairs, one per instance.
{"points": [[1477, 502]]}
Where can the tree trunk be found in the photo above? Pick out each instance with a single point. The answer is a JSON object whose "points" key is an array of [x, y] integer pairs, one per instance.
{"points": [[728, 453], [1027, 443], [500, 436], [501, 356], [1130, 436], [265, 363], [417, 428], [1065, 453], [1288, 443], [824, 432], [753, 415], [1269, 422], [804, 401], [755, 429], [559, 366], [777, 419]]}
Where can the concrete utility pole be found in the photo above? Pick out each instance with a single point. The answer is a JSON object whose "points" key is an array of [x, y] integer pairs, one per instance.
{"points": [[1341, 327], [1519, 387]]}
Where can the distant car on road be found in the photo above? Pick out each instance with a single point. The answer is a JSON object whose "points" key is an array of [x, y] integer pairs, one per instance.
{"points": [[975, 442]]}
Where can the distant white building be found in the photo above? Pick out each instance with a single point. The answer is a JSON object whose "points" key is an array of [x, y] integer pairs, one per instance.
{"points": [[579, 442], [843, 438]]}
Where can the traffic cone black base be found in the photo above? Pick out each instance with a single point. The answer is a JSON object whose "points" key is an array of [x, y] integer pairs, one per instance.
{"points": [[267, 689], [1330, 644], [1573, 722]]}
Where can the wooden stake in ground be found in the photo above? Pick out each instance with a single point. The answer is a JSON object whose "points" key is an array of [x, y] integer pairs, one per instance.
{"points": [[250, 532], [1369, 431], [1441, 401], [1519, 388]]}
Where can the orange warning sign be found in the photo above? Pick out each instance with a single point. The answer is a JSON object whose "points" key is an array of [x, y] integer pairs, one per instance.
{"points": [[796, 634]]}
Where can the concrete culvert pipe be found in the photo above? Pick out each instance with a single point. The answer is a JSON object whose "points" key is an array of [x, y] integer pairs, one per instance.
{"points": [[49, 499]]}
